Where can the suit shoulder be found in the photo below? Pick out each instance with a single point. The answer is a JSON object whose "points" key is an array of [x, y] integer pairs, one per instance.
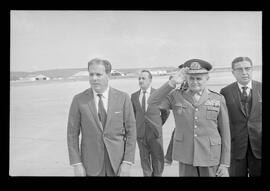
{"points": [[82, 93], [228, 87], [134, 93], [257, 82]]}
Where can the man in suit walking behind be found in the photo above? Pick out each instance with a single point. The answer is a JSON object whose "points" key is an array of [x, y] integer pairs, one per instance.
{"points": [[149, 121], [104, 118], [244, 103]]}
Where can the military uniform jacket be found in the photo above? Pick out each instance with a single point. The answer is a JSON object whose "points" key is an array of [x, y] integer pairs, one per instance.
{"points": [[202, 134]]}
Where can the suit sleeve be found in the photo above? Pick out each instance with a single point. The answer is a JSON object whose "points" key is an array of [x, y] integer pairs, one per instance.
{"points": [[130, 127], [132, 101], [73, 131], [224, 129]]}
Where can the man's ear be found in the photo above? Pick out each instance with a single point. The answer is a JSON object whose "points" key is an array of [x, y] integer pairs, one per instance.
{"points": [[232, 72]]}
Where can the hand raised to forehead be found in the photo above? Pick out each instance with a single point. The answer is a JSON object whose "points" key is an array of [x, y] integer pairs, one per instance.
{"points": [[179, 76]]}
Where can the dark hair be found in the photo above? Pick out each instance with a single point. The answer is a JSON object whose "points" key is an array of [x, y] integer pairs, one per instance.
{"points": [[241, 59], [149, 73], [105, 63]]}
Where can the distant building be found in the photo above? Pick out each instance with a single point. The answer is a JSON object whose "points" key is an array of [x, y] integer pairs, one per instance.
{"points": [[116, 73], [81, 74], [158, 72], [35, 77]]}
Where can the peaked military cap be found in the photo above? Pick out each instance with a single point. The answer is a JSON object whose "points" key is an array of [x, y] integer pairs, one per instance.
{"points": [[197, 66], [181, 66]]}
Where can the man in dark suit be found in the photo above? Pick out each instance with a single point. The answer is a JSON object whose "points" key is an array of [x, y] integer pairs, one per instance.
{"points": [[244, 103], [104, 118], [149, 121]]}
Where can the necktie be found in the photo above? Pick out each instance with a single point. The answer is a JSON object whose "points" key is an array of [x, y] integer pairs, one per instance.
{"points": [[143, 101], [101, 111], [245, 96], [244, 92]]}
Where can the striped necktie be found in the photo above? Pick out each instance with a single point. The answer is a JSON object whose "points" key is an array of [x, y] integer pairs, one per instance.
{"points": [[101, 111], [245, 97], [143, 101], [244, 92]]}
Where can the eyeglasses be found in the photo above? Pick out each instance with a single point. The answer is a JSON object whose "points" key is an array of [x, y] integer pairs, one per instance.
{"points": [[248, 69]]}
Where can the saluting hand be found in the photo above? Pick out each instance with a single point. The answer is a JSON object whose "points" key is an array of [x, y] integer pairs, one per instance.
{"points": [[179, 77]]}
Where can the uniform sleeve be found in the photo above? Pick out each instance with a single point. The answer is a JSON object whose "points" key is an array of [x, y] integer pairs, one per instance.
{"points": [[161, 97], [73, 131], [224, 129], [130, 128], [164, 115]]}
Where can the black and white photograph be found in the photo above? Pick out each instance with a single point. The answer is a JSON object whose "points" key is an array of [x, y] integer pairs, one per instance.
{"points": [[135, 93]]}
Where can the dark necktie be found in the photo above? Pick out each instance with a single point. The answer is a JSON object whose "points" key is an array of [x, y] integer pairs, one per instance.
{"points": [[245, 96], [101, 111], [244, 92], [143, 101]]}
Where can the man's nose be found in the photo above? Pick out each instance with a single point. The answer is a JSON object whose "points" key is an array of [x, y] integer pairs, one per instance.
{"points": [[244, 71]]}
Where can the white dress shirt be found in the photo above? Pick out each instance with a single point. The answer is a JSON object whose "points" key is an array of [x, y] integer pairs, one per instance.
{"points": [[105, 98], [249, 85], [147, 95]]}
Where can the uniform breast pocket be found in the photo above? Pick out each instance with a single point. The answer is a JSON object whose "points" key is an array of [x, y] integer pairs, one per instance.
{"points": [[180, 108], [212, 113]]}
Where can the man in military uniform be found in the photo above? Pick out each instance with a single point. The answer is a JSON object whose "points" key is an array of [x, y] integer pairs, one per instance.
{"points": [[201, 142]]}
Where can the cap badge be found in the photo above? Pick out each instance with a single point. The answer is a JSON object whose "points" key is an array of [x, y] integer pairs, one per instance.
{"points": [[195, 66]]}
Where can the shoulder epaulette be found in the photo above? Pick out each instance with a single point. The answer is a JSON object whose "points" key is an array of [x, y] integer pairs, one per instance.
{"points": [[212, 91]]}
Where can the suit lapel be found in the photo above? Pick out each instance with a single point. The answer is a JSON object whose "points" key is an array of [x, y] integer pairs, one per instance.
{"points": [[236, 97], [93, 108], [256, 96], [151, 91], [137, 100], [112, 102]]}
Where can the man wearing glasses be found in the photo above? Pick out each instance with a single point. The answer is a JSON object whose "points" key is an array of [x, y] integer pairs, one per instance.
{"points": [[244, 103]]}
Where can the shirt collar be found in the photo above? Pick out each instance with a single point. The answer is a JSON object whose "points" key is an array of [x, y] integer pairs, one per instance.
{"points": [[147, 90], [199, 93], [105, 94], [249, 85]]}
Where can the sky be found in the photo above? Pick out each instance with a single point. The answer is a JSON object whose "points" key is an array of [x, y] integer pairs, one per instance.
{"points": [[43, 40]]}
